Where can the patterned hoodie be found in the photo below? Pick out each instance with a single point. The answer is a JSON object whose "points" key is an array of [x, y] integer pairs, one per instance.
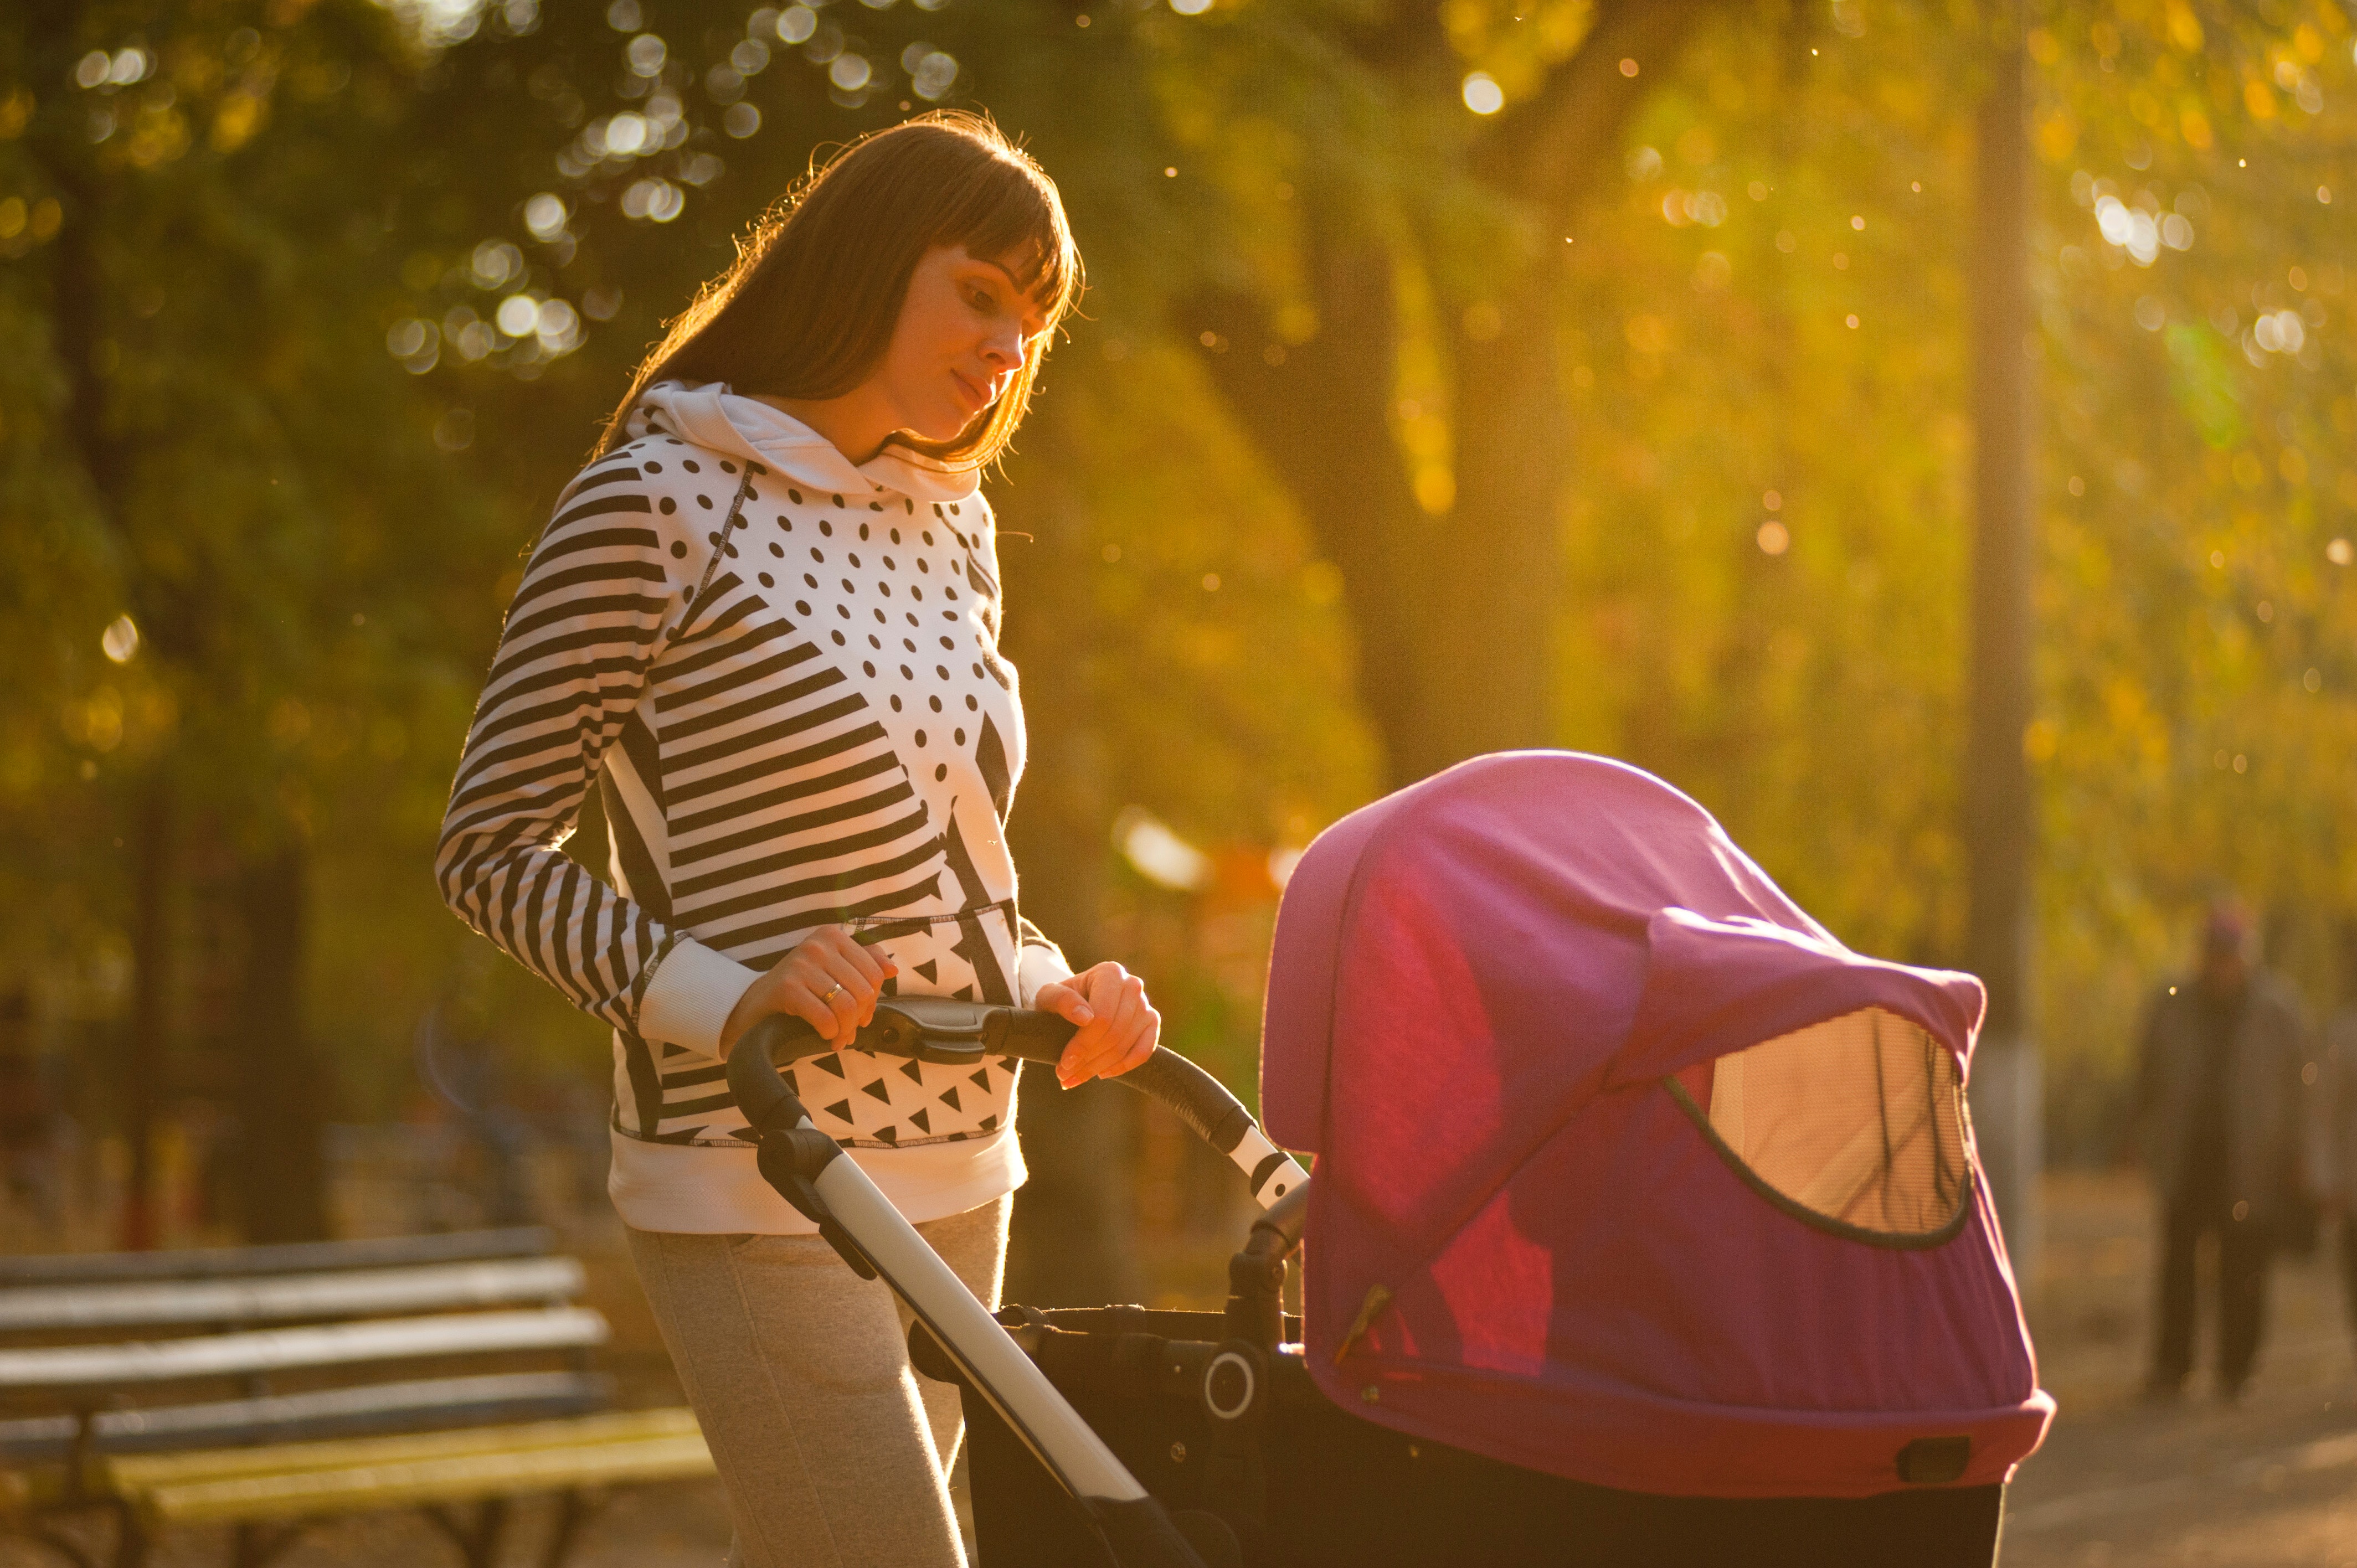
{"points": [[780, 670]]}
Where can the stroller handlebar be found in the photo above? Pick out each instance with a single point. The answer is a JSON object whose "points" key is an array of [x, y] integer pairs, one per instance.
{"points": [[946, 1030], [804, 1165]]}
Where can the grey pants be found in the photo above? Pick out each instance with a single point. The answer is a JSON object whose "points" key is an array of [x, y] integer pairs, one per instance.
{"points": [[834, 1453]]}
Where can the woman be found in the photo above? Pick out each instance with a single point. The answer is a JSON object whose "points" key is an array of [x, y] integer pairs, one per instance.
{"points": [[764, 621]]}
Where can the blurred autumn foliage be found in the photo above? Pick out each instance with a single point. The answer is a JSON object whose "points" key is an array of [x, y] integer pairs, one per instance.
{"points": [[1455, 376]]}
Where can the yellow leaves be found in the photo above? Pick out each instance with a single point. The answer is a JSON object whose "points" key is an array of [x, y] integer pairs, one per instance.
{"points": [[1516, 40], [2292, 464], [159, 135], [1436, 488], [2146, 109], [1650, 334], [1321, 583], [2249, 472], [237, 118], [2057, 135], [290, 723], [2195, 126], [95, 721], [2184, 27], [24, 225], [1697, 147], [2043, 45], [2039, 740], [2259, 98], [2309, 42], [16, 112]]}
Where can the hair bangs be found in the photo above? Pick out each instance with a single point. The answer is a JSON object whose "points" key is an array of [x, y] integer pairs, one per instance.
{"points": [[1013, 212]]}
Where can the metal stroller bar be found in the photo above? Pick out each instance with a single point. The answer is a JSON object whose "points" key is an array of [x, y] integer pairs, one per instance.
{"points": [[875, 1239]]}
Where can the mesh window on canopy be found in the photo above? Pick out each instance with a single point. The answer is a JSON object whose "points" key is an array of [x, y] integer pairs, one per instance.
{"points": [[1858, 1121]]}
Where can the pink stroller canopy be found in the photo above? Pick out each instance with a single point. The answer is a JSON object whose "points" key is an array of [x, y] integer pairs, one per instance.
{"points": [[1628, 1171]]}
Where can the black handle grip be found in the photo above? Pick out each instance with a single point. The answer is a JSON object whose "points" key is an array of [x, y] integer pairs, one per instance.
{"points": [[939, 1028]]}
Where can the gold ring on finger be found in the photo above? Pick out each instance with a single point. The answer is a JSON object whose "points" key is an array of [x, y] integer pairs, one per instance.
{"points": [[831, 992]]}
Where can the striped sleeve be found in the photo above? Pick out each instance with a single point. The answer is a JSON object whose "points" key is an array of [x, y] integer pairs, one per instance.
{"points": [[586, 625]]}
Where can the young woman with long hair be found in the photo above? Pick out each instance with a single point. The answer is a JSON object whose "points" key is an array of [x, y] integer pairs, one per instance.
{"points": [[763, 624]]}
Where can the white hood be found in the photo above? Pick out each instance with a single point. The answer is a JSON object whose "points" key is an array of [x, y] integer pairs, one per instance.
{"points": [[711, 415]]}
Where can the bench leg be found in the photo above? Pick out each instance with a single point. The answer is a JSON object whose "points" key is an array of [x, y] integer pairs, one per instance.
{"points": [[131, 1541], [573, 1510], [254, 1545], [479, 1540]]}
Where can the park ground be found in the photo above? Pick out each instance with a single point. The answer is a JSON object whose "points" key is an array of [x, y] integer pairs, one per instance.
{"points": [[2268, 1483]]}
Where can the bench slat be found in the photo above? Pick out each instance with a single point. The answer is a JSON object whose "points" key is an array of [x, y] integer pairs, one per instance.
{"points": [[294, 1257], [506, 1397], [259, 1498], [428, 1288], [62, 1367], [146, 1472]]}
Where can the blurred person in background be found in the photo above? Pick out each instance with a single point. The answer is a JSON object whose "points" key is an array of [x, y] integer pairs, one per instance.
{"points": [[2218, 1103], [2338, 1124]]}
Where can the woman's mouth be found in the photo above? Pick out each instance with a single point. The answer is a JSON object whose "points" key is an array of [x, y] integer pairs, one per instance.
{"points": [[976, 398]]}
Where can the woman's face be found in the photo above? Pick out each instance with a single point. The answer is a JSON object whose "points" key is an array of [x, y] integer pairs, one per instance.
{"points": [[962, 336]]}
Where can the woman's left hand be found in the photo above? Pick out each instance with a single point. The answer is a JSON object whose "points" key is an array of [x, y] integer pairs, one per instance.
{"points": [[1118, 1026]]}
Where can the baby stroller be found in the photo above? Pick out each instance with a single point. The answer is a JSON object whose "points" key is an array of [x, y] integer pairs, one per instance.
{"points": [[1646, 1228]]}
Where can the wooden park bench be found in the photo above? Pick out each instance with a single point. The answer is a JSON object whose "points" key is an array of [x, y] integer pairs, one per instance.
{"points": [[85, 1338]]}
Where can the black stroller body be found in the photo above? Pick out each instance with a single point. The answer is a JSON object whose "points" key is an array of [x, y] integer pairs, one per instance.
{"points": [[1304, 1483]]}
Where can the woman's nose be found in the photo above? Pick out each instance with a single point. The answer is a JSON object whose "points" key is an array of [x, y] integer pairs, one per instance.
{"points": [[1005, 349]]}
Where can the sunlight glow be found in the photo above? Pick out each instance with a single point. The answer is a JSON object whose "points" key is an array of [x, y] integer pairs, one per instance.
{"points": [[1159, 854]]}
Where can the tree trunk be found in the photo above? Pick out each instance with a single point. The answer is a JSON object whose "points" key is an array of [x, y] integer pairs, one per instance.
{"points": [[1488, 648], [282, 1092], [1320, 412], [146, 1051], [1997, 828], [1454, 614]]}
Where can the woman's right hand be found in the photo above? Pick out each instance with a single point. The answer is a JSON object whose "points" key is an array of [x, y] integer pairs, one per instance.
{"points": [[829, 981]]}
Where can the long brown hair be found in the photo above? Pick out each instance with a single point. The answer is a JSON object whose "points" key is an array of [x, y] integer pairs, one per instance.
{"points": [[808, 307]]}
